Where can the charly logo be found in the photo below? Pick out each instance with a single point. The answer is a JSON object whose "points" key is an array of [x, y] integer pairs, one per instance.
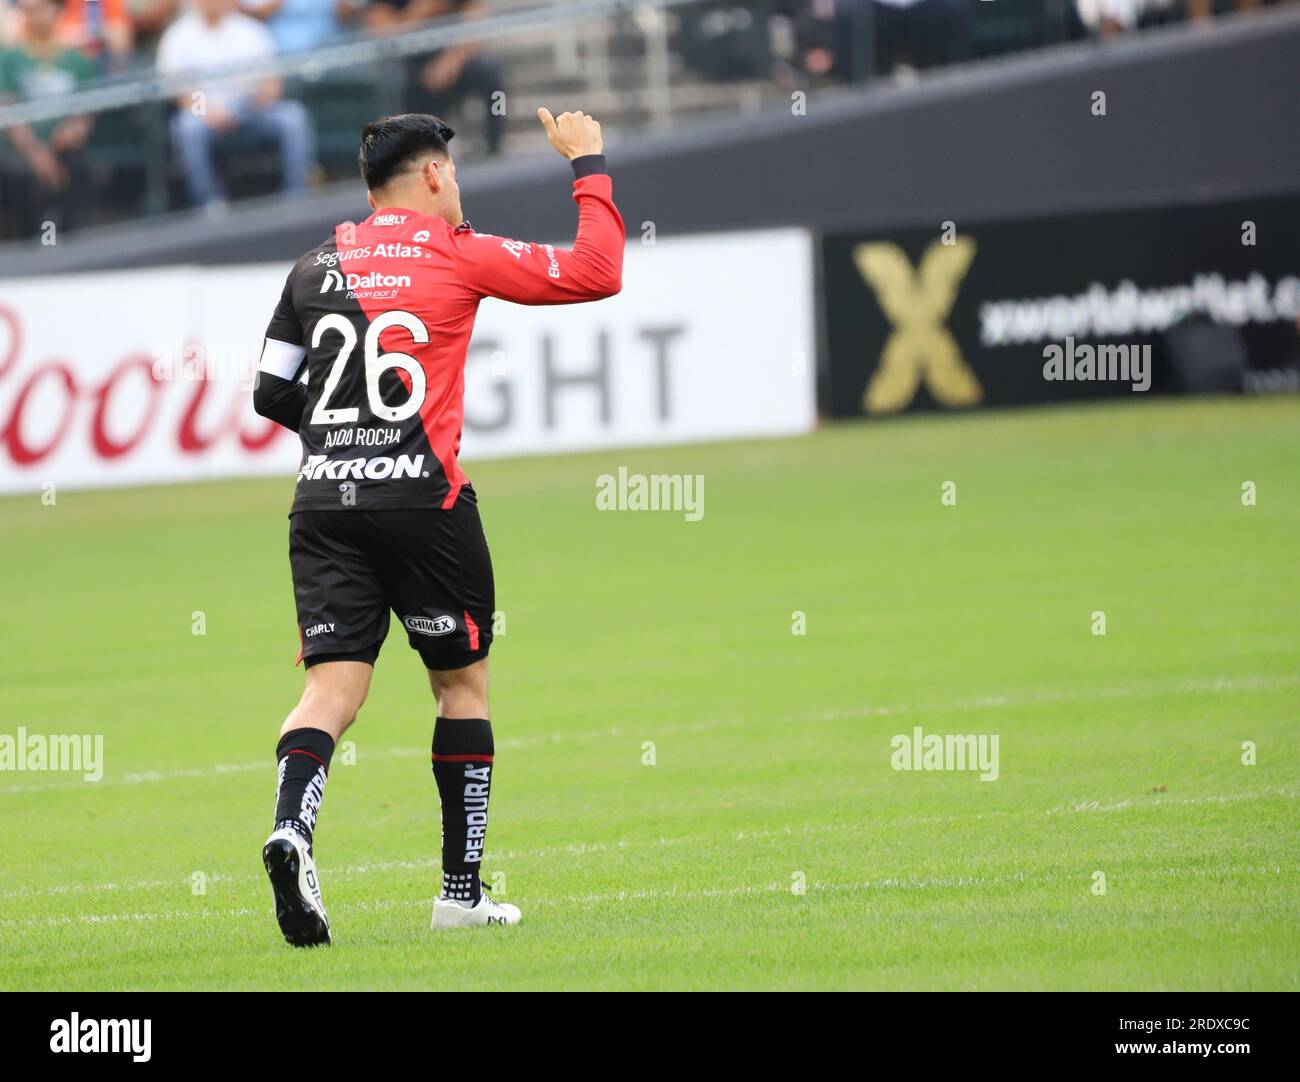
{"points": [[921, 348], [425, 625]]}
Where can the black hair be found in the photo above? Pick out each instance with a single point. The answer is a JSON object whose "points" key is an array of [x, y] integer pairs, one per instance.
{"points": [[392, 144]]}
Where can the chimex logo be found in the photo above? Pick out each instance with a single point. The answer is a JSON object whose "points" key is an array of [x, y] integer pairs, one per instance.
{"points": [[917, 302], [424, 625]]}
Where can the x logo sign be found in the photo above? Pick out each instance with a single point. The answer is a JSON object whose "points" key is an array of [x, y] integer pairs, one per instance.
{"points": [[917, 303]]}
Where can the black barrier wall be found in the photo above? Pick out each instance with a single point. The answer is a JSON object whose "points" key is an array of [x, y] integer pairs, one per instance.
{"points": [[1201, 298]]}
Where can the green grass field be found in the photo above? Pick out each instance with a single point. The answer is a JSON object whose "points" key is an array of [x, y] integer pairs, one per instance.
{"points": [[1119, 754]]}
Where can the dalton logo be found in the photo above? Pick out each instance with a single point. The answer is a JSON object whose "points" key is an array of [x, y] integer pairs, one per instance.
{"points": [[921, 348], [424, 625], [336, 280]]}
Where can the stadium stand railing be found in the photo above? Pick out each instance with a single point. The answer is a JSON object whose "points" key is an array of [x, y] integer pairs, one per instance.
{"points": [[636, 64]]}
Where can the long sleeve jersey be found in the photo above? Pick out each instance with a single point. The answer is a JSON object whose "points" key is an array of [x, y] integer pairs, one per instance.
{"points": [[380, 317]]}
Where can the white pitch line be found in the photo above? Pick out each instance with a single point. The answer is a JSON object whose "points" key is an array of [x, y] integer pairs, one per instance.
{"points": [[986, 702], [508, 743], [1086, 806], [222, 769], [543, 901], [577, 849], [685, 894]]}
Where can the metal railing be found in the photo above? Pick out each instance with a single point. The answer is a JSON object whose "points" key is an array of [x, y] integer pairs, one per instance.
{"points": [[129, 158], [125, 91]]}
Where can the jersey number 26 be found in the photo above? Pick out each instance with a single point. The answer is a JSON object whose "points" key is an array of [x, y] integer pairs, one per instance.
{"points": [[376, 365]]}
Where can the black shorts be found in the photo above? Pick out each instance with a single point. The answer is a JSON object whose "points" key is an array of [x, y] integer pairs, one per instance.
{"points": [[431, 567]]}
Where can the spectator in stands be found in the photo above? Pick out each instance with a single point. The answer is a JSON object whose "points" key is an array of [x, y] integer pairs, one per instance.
{"points": [[1200, 10], [98, 28], [723, 41], [149, 18], [298, 25], [45, 181], [212, 111], [1110, 18], [853, 39], [918, 34], [449, 75]]}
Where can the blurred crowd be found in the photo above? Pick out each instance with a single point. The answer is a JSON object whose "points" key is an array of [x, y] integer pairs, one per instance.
{"points": [[53, 47], [122, 34], [855, 40]]}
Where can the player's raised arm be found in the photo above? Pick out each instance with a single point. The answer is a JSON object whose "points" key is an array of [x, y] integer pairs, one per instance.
{"points": [[529, 273]]}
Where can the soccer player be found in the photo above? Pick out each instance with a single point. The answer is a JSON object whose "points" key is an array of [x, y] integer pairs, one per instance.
{"points": [[379, 317]]}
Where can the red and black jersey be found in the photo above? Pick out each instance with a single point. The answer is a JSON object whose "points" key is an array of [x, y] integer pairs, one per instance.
{"points": [[380, 317]]}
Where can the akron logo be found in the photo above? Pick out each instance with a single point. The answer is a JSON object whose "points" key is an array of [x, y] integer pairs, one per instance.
{"points": [[423, 625], [920, 348]]}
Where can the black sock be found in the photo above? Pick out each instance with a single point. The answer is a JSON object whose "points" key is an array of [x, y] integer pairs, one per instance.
{"points": [[462, 766], [304, 757]]}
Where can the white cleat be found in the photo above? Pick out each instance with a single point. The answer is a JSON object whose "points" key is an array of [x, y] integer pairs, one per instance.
{"points": [[296, 888], [448, 913]]}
